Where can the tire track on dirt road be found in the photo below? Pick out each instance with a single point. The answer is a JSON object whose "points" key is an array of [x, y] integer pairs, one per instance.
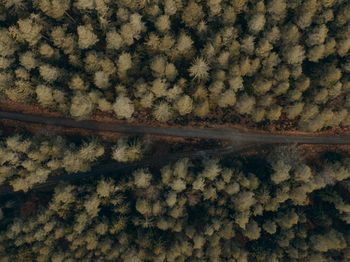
{"points": [[234, 135]]}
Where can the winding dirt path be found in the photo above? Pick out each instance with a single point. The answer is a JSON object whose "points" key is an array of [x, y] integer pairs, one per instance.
{"points": [[233, 135], [238, 140]]}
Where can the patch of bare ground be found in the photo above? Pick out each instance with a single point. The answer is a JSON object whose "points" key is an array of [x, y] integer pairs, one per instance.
{"points": [[220, 119], [311, 154], [54, 130]]}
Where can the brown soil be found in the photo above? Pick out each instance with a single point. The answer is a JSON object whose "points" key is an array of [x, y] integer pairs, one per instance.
{"points": [[29, 207], [228, 120], [311, 154], [8, 126]]}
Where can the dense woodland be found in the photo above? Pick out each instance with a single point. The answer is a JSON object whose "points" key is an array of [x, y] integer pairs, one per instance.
{"points": [[27, 160], [265, 63], [172, 60], [229, 209]]}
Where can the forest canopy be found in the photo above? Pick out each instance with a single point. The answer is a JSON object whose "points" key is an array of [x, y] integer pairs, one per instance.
{"points": [[215, 190], [267, 61], [188, 210], [26, 161]]}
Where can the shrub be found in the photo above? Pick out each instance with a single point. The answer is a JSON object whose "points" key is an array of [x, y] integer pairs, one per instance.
{"points": [[257, 23], [28, 60], [81, 106], [45, 96], [49, 73], [294, 55], [162, 112], [127, 151], [28, 30], [114, 40], [86, 36], [199, 69], [142, 179], [184, 105], [245, 104], [54, 8], [123, 107], [228, 98]]}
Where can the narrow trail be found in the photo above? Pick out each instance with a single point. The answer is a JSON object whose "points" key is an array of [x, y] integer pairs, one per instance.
{"points": [[190, 132]]}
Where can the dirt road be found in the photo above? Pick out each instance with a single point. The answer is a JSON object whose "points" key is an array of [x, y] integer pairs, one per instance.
{"points": [[190, 132]]}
